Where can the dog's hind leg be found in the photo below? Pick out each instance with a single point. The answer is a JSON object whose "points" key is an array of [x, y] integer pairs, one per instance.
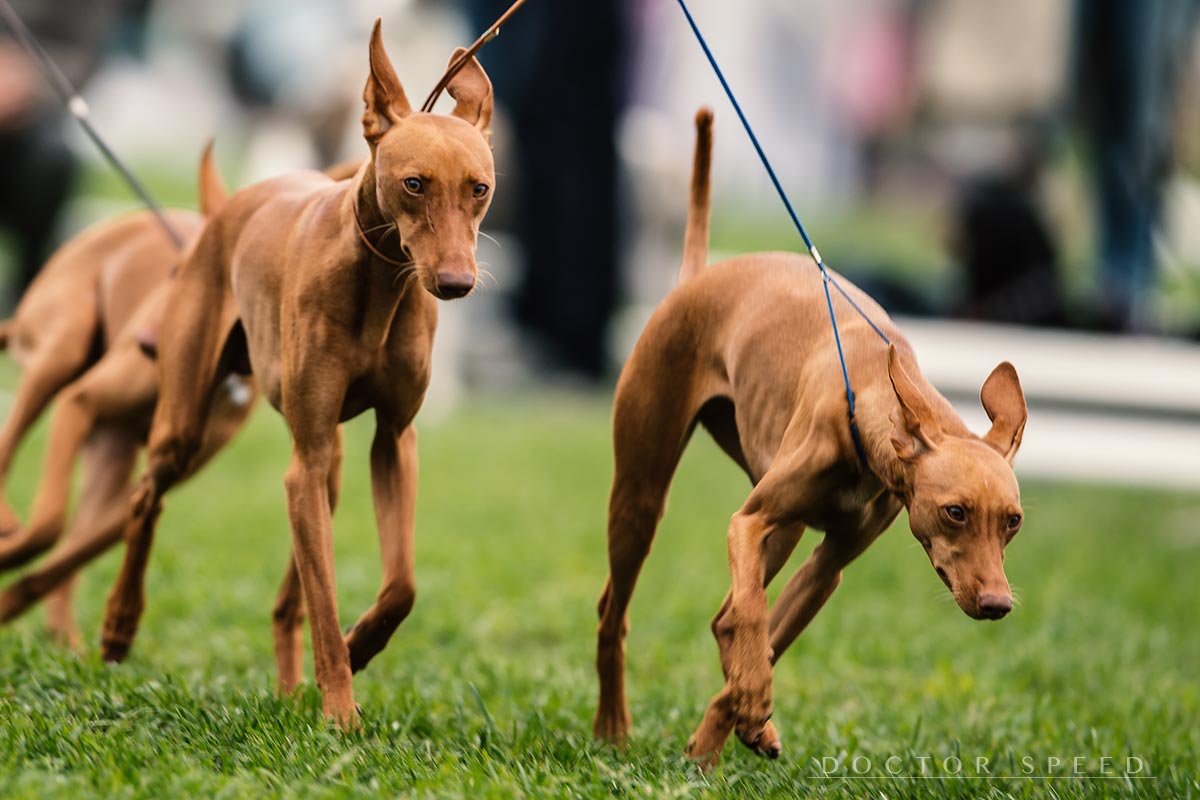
{"points": [[108, 460], [61, 354], [288, 614], [202, 313], [394, 490], [287, 623], [121, 383], [650, 431], [97, 527]]}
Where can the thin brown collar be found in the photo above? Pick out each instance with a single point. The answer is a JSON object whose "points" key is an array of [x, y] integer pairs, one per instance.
{"points": [[362, 234]]}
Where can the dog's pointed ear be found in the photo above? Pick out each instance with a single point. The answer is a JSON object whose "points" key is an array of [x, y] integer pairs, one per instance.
{"points": [[472, 92], [1004, 403], [213, 193], [386, 103], [915, 430]]}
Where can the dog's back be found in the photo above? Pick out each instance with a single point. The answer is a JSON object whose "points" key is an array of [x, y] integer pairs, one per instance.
{"points": [[757, 319], [110, 268]]}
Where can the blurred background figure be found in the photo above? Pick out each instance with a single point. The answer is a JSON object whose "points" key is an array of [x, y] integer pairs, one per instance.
{"points": [[35, 162], [989, 81], [1029, 162], [923, 141], [1127, 71], [560, 77], [273, 73], [1002, 238]]}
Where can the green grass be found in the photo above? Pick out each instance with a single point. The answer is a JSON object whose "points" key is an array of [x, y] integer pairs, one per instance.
{"points": [[488, 689]]}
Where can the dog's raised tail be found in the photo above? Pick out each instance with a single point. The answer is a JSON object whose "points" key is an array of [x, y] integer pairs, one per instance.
{"points": [[695, 240], [213, 193]]}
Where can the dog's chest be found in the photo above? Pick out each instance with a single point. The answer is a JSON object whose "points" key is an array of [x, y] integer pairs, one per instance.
{"points": [[393, 363], [846, 505]]}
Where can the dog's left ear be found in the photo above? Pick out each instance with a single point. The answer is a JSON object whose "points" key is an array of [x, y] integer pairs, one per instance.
{"points": [[383, 96], [915, 429], [472, 91], [1004, 403]]}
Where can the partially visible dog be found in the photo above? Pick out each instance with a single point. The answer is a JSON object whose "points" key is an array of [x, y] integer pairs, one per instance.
{"points": [[745, 349], [79, 333], [335, 286]]}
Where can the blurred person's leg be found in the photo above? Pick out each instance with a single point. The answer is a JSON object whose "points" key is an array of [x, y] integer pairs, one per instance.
{"points": [[1129, 186], [1129, 55], [560, 79], [38, 169]]}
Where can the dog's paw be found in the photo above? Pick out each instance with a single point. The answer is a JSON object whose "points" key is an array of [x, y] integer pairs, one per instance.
{"points": [[751, 710], [611, 726], [116, 638], [767, 745], [13, 602], [66, 637], [348, 720], [114, 650]]}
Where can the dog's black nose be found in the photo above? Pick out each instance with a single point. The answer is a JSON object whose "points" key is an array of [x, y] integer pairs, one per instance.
{"points": [[451, 285], [994, 606]]}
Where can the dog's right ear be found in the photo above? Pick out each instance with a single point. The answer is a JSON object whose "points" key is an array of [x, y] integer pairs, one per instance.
{"points": [[472, 92], [1004, 403], [915, 430], [386, 103]]}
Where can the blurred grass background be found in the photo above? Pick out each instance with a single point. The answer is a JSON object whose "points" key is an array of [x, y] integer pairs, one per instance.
{"points": [[488, 689]]}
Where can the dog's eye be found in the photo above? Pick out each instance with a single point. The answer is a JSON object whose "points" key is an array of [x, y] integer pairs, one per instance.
{"points": [[1014, 521], [414, 185], [956, 513], [480, 191]]}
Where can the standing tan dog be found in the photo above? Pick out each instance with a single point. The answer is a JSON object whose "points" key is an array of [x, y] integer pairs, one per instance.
{"points": [[745, 348], [334, 285], [79, 334]]}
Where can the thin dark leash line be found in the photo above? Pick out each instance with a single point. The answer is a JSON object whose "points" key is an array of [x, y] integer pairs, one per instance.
{"points": [[826, 277], [457, 64], [80, 111]]}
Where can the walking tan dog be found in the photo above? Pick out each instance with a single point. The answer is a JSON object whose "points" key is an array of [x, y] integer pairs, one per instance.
{"points": [[746, 349], [77, 335], [335, 287]]}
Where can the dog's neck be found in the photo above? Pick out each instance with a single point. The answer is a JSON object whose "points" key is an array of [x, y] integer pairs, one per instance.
{"points": [[876, 409], [371, 222]]}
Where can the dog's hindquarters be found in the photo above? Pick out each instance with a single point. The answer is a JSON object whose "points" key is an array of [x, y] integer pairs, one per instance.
{"points": [[655, 410]]}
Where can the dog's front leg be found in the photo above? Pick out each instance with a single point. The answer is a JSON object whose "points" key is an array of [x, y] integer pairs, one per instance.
{"points": [[776, 550], [312, 547], [745, 702], [394, 490], [288, 614], [314, 389], [813, 584]]}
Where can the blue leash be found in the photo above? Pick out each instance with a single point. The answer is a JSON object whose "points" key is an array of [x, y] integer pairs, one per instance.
{"points": [[826, 277]]}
